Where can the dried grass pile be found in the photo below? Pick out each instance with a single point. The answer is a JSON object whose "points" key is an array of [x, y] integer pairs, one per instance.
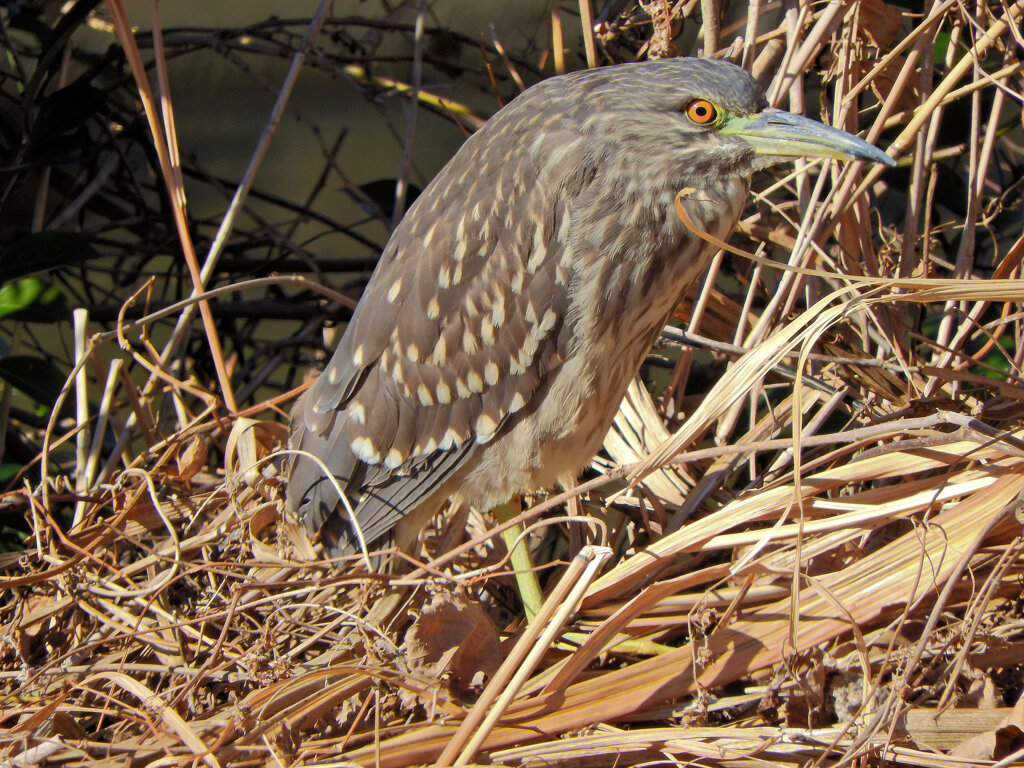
{"points": [[813, 528]]}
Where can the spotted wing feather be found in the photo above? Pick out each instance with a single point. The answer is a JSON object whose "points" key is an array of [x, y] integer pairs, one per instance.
{"points": [[465, 311]]}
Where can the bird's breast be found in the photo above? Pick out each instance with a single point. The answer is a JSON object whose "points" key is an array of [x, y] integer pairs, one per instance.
{"points": [[624, 294], [622, 291]]}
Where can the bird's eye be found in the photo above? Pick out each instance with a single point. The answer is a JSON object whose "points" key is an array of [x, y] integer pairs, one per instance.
{"points": [[701, 111]]}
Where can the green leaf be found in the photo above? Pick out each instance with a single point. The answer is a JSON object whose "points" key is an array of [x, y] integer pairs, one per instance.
{"points": [[19, 294], [939, 48], [33, 301], [35, 377], [42, 251]]}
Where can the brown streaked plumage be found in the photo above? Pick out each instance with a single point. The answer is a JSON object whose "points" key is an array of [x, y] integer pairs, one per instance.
{"points": [[521, 292]]}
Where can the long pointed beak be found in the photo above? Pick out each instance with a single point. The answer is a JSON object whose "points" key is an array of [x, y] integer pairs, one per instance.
{"points": [[775, 132]]}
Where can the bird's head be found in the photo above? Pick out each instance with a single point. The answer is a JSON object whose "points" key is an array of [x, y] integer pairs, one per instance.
{"points": [[709, 117]]}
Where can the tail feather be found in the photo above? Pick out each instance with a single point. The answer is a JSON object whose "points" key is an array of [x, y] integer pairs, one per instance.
{"points": [[379, 497]]}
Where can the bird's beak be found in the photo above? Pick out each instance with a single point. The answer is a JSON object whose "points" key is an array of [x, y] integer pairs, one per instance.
{"points": [[777, 133]]}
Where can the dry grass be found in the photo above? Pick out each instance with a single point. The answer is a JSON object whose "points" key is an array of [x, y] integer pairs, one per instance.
{"points": [[848, 597]]}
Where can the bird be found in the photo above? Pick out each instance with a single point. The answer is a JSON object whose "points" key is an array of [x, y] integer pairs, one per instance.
{"points": [[519, 295]]}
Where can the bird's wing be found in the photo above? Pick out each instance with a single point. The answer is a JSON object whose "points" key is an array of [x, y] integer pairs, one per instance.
{"points": [[453, 335]]}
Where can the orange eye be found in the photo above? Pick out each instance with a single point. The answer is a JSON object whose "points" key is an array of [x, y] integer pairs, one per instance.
{"points": [[701, 111]]}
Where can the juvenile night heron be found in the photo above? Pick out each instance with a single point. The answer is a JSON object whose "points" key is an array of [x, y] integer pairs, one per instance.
{"points": [[520, 294]]}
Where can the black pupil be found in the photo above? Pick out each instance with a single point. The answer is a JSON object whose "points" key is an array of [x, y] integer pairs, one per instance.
{"points": [[701, 110]]}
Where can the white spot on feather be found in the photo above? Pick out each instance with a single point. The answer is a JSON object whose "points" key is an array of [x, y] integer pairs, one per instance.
{"points": [[364, 450], [498, 311], [485, 428], [537, 254], [356, 412], [440, 355], [424, 395], [397, 374], [487, 332], [533, 342], [491, 373], [451, 439]]}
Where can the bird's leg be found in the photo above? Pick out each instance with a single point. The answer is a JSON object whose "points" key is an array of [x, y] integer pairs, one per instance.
{"points": [[526, 578]]}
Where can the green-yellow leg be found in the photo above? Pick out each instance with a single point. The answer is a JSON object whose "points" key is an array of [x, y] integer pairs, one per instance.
{"points": [[522, 563], [530, 592]]}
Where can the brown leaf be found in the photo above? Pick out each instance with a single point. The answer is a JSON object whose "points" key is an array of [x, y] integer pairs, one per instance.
{"points": [[805, 705], [882, 22], [191, 458], [983, 694], [996, 744], [455, 637]]}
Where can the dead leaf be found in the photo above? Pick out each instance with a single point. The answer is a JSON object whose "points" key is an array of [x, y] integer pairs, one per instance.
{"points": [[805, 705], [883, 23], [982, 693], [453, 637], [996, 744], [191, 458]]}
